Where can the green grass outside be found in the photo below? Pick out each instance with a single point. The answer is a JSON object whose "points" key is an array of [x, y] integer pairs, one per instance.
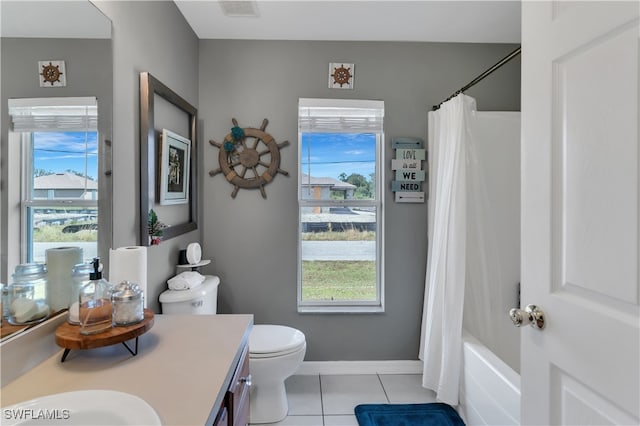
{"points": [[350, 235], [53, 233], [338, 280]]}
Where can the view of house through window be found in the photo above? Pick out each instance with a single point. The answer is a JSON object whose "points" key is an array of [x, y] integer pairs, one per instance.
{"points": [[59, 194], [61, 208], [339, 204]]}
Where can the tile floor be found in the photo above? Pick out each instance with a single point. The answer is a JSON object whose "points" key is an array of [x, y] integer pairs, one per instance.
{"points": [[329, 400]]}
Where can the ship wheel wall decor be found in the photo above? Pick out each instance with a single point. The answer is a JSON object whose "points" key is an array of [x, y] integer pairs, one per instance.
{"points": [[341, 75], [52, 74], [252, 152]]}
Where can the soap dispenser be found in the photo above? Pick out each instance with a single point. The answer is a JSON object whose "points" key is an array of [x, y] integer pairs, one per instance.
{"points": [[95, 303]]}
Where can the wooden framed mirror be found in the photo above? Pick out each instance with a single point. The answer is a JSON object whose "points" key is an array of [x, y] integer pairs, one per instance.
{"points": [[153, 92]]}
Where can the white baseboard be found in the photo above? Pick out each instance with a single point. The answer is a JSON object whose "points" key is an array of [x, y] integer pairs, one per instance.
{"points": [[360, 367]]}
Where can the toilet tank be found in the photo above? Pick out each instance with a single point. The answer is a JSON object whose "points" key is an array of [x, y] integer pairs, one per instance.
{"points": [[200, 300]]}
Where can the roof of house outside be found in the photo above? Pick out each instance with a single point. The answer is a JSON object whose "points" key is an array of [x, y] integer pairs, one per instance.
{"points": [[63, 181], [326, 181]]}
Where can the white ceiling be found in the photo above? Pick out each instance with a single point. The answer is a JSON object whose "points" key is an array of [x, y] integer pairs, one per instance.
{"points": [[57, 19], [366, 20]]}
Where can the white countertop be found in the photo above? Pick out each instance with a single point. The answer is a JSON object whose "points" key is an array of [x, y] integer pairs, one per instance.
{"points": [[183, 367]]}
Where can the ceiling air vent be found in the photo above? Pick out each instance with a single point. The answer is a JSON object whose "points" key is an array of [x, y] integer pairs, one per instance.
{"points": [[241, 8]]}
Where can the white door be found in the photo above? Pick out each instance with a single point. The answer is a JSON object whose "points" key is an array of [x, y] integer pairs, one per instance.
{"points": [[580, 203]]}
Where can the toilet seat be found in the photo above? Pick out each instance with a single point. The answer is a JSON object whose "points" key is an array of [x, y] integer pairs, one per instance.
{"points": [[269, 341]]}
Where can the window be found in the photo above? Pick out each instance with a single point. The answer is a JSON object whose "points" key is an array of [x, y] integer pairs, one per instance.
{"points": [[59, 170], [340, 250]]}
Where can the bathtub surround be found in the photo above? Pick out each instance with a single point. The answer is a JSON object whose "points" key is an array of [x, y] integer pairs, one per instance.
{"points": [[494, 272]]}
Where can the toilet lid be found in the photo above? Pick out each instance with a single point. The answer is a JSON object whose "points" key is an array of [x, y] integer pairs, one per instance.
{"points": [[266, 339]]}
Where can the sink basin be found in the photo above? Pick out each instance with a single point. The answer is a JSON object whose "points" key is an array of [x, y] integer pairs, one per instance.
{"points": [[87, 407]]}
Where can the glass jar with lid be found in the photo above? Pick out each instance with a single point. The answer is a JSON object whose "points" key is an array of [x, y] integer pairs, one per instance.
{"points": [[128, 304], [27, 294], [5, 301], [81, 275]]}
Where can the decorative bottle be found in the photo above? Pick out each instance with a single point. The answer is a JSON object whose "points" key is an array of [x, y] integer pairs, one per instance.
{"points": [[95, 303], [81, 274]]}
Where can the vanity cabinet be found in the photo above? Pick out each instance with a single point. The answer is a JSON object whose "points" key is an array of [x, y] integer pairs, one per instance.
{"points": [[212, 351], [235, 406]]}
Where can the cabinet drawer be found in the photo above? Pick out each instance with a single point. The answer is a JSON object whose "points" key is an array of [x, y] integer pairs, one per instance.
{"points": [[239, 390]]}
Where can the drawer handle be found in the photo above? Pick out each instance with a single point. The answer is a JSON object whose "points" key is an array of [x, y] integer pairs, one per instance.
{"points": [[245, 380]]}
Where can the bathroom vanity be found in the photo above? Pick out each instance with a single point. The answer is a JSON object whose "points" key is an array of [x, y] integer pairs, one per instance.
{"points": [[234, 408], [193, 370]]}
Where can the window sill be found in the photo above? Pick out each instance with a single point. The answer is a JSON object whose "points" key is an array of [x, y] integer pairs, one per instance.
{"points": [[340, 309]]}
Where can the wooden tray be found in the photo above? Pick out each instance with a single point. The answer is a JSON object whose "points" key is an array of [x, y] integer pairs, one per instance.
{"points": [[68, 335]]}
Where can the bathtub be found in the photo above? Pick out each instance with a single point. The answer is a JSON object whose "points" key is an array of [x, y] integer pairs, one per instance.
{"points": [[489, 388]]}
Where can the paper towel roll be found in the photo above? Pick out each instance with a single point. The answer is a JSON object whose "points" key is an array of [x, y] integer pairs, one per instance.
{"points": [[129, 264], [60, 263]]}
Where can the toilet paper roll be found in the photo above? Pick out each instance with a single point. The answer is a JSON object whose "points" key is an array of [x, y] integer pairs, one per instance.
{"points": [[60, 262], [129, 264]]}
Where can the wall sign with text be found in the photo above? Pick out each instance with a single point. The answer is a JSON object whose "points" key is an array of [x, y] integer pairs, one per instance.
{"points": [[407, 167]]}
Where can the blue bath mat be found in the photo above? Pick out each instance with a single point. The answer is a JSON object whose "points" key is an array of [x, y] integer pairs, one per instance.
{"points": [[432, 414]]}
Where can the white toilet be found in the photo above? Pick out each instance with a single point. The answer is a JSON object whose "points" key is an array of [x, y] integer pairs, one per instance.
{"points": [[275, 351]]}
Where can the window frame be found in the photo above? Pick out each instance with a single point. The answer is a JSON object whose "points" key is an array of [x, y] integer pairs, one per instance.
{"points": [[28, 202], [344, 306], [30, 116]]}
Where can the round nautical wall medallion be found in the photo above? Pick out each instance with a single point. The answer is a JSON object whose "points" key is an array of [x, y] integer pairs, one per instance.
{"points": [[249, 158]]}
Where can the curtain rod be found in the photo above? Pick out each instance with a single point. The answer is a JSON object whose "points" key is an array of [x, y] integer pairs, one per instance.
{"points": [[481, 77]]}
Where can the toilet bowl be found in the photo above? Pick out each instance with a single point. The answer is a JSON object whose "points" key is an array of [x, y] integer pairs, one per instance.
{"points": [[275, 351]]}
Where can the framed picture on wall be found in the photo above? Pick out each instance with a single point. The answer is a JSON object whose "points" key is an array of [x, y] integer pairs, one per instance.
{"points": [[175, 158]]}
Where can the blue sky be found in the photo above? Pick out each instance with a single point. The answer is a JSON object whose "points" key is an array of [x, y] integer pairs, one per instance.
{"points": [[330, 153], [61, 151], [333, 153]]}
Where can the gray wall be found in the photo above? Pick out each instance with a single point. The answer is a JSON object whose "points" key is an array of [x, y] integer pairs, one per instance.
{"points": [[253, 241], [88, 67], [147, 36]]}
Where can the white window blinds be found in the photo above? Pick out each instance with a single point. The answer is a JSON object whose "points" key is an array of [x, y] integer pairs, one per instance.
{"points": [[340, 115], [54, 114]]}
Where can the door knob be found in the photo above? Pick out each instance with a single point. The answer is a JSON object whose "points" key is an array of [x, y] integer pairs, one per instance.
{"points": [[531, 315]]}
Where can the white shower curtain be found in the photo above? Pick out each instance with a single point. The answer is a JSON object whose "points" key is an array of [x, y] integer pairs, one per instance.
{"points": [[441, 336]]}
